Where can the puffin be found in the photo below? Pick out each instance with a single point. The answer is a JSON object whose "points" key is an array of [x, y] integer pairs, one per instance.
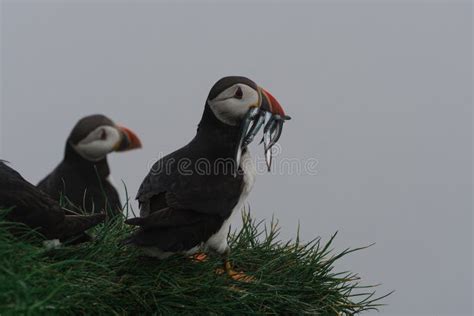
{"points": [[82, 179], [27, 204], [188, 197]]}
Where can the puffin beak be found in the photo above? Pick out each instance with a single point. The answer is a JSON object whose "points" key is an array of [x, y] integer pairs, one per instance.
{"points": [[270, 104], [270, 113], [129, 139]]}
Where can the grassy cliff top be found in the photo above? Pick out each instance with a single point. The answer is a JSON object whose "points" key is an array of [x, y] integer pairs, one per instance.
{"points": [[102, 277]]}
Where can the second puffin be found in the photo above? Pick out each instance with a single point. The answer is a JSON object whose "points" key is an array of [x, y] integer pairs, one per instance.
{"points": [[82, 177]]}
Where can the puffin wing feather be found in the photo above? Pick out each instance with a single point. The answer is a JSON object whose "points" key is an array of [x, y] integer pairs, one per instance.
{"points": [[166, 185]]}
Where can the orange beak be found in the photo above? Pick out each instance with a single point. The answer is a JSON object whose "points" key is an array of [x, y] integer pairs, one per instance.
{"points": [[270, 104], [129, 140]]}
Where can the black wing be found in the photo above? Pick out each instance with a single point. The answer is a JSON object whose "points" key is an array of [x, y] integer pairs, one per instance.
{"points": [[37, 210], [182, 207], [168, 184]]}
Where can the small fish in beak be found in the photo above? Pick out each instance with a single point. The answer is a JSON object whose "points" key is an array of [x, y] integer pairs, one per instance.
{"points": [[268, 113], [245, 127]]}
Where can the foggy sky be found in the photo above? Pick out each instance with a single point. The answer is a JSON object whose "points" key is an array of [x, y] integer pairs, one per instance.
{"points": [[380, 95]]}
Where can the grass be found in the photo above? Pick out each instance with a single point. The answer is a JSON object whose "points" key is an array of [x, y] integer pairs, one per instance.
{"points": [[103, 277]]}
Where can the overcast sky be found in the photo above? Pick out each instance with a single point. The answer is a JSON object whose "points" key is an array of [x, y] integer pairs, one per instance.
{"points": [[380, 94]]}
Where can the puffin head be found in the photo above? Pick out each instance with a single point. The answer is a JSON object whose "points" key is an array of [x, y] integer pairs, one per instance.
{"points": [[95, 136], [238, 101], [232, 97]]}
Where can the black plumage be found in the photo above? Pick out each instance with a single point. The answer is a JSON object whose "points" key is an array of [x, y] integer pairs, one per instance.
{"points": [[182, 207], [34, 208]]}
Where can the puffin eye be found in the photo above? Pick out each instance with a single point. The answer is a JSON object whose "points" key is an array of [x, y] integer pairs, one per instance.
{"points": [[103, 134], [238, 93]]}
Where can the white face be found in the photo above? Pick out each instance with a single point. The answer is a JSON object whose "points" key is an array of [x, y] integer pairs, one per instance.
{"points": [[98, 143], [231, 104]]}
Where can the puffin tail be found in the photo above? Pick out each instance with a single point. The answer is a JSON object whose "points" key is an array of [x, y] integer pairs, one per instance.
{"points": [[125, 242], [137, 221], [75, 225]]}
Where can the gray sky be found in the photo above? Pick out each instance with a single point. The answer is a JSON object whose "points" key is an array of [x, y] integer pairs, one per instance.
{"points": [[380, 94]]}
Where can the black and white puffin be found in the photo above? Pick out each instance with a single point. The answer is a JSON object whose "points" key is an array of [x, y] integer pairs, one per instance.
{"points": [[187, 198], [34, 208], [81, 179]]}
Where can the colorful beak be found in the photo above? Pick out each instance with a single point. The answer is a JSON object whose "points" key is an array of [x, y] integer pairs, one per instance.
{"points": [[129, 140], [270, 104]]}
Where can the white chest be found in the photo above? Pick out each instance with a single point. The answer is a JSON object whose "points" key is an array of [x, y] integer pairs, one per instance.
{"points": [[248, 167], [218, 241]]}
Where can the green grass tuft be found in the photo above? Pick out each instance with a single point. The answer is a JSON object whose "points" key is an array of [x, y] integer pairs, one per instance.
{"points": [[102, 277]]}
